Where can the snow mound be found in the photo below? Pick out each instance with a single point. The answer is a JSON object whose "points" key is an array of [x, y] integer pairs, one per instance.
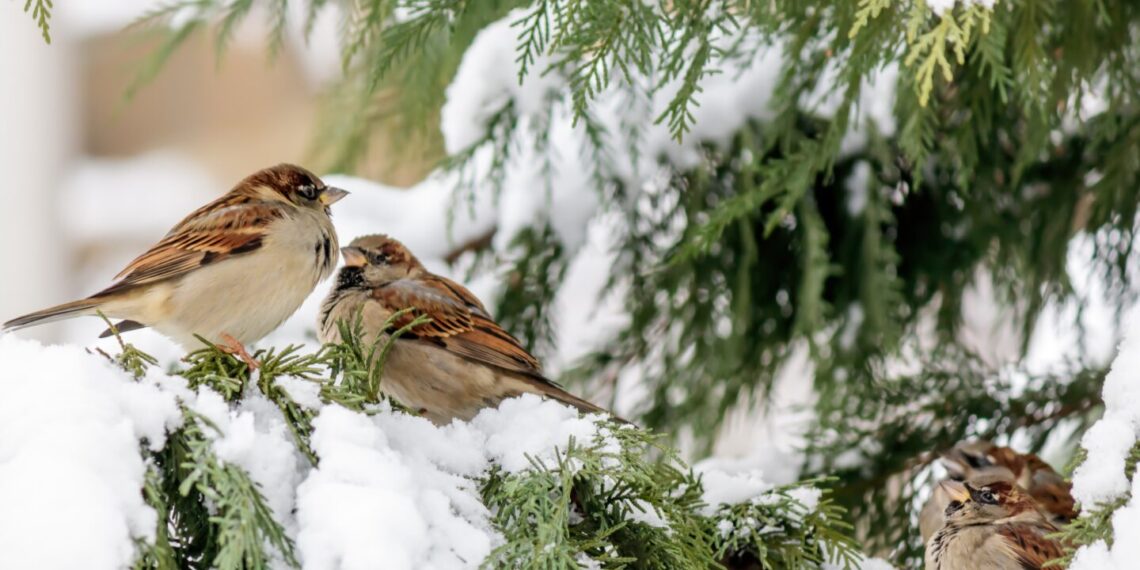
{"points": [[71, 425], [369, 506]]}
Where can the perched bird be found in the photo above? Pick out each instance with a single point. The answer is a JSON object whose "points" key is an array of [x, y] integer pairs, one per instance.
{"points": [[231, 271], [452, 366], [971, 460], [992, 525]]}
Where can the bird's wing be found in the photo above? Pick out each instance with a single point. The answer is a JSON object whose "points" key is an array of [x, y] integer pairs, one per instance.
{"points": [[459, 323], [1028, 542], [231, 225]]}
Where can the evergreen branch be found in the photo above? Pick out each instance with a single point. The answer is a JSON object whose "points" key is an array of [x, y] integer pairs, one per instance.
{"points": [[243, 523], [534, 36], [532, 283], [868, 10], [306, 367], [358, 360], [398, 41], [41, 13], [190, 13], [216, 369], [278, 12], [160, 555], [232, 15], [130, 359], [553, 514], [778, 530]]}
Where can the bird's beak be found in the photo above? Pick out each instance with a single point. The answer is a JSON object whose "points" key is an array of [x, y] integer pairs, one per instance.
{"points": [[354, 256], [955, 490], [331, 195]]}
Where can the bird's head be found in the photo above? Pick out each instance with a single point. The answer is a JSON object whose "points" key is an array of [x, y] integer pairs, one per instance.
{"points": [[982, 501], [380, 259], [293, 185]]}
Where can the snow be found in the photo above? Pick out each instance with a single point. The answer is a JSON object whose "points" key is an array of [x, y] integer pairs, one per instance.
{"points": [[396, 491], [369, 506], [70, 429], [512, 444], [483, 85], [730, 482], [807, 497], [1101, 477], [940, 7], [1124, 552]]}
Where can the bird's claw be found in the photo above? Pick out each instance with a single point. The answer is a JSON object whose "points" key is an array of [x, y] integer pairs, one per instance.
{"points": [[231, 345]]}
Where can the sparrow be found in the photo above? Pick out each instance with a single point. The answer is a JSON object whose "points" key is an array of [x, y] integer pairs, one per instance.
{"points": [[971, 460], [450, 367], [992, 525], [231, 271]]}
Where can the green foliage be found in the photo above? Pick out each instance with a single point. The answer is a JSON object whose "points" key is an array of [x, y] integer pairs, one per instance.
{"points": [[625, 500], [41, 13], [780, 531], [533, 281], [552, 515], [358, 362], [241, 523]]}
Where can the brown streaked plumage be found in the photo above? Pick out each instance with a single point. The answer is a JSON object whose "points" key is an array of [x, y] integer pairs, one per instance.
{"points": [[982, 459], [459, 362], [231, 271], [995, 525]]}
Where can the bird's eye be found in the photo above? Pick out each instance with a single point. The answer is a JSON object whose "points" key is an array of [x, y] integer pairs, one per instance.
{"points": [[377, 258], [308, 192], [987, 497]]}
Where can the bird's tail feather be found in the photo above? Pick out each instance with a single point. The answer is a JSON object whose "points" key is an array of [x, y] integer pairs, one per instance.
{"points": [[582, 405], [51, 314]]}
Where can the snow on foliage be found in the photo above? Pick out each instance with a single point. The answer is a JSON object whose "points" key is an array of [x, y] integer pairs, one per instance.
{"points": [[1125, 550], [1101, 480], [390, 489]]}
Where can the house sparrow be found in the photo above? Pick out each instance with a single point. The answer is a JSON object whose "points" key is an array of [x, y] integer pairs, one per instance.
{"points": [[993, 525], [971, 460], [459, 362], [231, 271]]}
